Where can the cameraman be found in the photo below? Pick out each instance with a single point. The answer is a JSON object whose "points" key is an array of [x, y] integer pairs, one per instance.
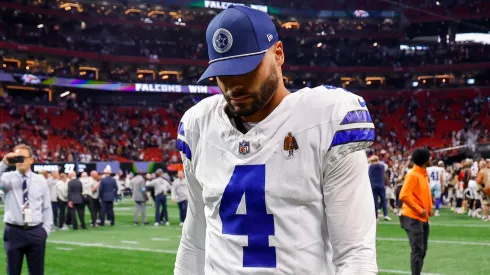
{"points": [[28, 216]]}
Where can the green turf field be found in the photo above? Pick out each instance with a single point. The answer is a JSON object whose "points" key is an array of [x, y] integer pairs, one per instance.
{"points": [[458, 245]]}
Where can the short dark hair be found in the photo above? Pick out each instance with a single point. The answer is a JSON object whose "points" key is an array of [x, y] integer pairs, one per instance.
{"points": [[24, 146], [420, 156]]}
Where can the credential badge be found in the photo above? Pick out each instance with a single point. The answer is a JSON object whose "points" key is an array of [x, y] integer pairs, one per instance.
{"points": [[244, 147], [222, 40]]}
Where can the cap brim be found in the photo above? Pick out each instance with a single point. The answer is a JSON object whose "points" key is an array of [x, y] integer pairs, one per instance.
{"points": [[232, 66]]}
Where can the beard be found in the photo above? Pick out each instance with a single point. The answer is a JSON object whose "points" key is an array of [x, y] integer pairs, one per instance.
{"points": [[258, 100]]}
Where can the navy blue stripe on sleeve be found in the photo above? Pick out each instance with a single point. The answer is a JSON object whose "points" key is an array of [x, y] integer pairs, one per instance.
{"points": [[181, 129], [184, 148], [358, 116], [352, 135]]}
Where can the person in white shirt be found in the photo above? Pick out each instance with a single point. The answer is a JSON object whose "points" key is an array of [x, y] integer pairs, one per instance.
{"points": [[28, 216], [53, 193], [120, 179], [162, 186], [87, 187], [150, 191], [62, 194], [94, 203], [179, 195]]}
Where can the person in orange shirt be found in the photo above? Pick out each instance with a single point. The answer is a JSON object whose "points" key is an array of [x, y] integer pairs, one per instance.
{"points": [[417, 207]]}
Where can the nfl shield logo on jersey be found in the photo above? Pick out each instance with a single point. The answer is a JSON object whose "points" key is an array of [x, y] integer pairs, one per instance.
{"points": [[244, 147]]}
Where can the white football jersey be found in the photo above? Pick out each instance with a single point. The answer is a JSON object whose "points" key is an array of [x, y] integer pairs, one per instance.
{"points": [[435, 174], [474, 169], [291, 196]]}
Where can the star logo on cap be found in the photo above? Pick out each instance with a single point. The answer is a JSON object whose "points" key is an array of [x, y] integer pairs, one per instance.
{"points": [[222, 40]]}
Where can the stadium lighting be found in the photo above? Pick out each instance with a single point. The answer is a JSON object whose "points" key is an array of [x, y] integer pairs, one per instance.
{"points": [[415, 84], [40, 26], [65, 94], [470, 81]]}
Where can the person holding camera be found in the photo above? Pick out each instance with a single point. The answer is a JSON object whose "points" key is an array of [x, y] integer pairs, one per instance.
{"points": [[28, 216]]}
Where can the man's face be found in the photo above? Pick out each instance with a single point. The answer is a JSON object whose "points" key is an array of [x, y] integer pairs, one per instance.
{"points": [[25, 166], [249, 93], [180, 174], [55, 174], [94, 175]]}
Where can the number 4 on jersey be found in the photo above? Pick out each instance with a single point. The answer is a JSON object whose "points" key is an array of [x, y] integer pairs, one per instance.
{"points": [[249, 180]]}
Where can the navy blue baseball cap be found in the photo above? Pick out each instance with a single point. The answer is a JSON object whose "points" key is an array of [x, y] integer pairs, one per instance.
{"points": [[238, 39]]}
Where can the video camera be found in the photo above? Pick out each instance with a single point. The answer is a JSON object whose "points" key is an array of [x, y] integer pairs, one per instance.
{"points": [[17, 159]]}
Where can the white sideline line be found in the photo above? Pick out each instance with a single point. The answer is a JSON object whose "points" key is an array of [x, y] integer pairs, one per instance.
{"points": [[64, 248], [435, 241], [159, 239], [486, 225], [404, 272], [130, 242], [100, 245], [123, 208]]}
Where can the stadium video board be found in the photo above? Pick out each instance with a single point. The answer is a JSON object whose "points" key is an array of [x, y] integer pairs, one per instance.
{"points": [[37, 80]]}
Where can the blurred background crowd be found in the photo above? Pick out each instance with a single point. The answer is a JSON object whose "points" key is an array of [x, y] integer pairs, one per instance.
{"points": [[425, 80]]}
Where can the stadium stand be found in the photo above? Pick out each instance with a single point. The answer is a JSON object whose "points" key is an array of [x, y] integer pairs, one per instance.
{"points": [[404, 120], [155, 45]]}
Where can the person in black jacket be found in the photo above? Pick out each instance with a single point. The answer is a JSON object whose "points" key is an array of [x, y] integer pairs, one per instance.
{"points": [[75, 200], [107, 194], [377, 178]]}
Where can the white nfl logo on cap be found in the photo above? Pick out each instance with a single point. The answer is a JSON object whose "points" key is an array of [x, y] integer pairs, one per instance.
{"points": [[222, 40], [269, 37]]}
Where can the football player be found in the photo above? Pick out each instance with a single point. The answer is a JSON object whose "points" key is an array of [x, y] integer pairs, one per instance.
{"points": [[483, 180], [278, 181], [436, 179]]}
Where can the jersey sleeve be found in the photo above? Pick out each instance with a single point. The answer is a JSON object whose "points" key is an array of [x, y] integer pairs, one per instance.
{"points": [[349, 210], [350, 127], [191, 252], [349, 206]]}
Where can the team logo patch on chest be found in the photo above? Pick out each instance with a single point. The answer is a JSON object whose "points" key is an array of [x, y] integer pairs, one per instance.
{"points": [[290, 145], [244, 147]]}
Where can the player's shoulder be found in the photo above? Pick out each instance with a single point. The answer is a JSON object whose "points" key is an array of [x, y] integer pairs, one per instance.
{"points": [[201, 111], [332, 104], [326, 96]]}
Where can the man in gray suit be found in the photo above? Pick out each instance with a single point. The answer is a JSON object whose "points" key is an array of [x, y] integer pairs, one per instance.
{"points": [[75, 200], [138, 185]]}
